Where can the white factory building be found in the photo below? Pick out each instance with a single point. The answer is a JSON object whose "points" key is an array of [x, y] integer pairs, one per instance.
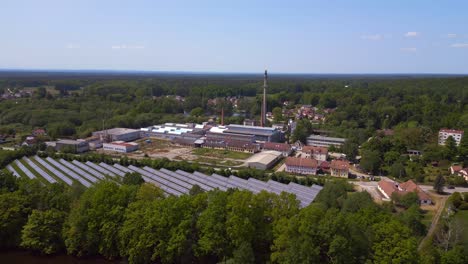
{"points": [[118, 134], [120, 146]]}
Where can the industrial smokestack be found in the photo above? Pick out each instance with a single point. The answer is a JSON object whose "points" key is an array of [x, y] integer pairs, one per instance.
{"points": [[264, 108]]}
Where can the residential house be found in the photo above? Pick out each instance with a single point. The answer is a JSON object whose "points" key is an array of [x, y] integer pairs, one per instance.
{"points": [[339, 168], [455, 169], [387, 188], [315, 152]]}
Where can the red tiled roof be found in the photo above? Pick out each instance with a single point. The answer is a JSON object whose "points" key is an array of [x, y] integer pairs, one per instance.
{"points": [[315, 149], [387, 187], [325, 165], [299, 162], [277, 146], [456, 168], [339, 165], [410, 186], [404, 188], [446, 130]]}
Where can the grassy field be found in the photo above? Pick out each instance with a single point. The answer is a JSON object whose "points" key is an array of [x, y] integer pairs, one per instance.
{"points": [[156, 144], [219, 153], [462, 217]]}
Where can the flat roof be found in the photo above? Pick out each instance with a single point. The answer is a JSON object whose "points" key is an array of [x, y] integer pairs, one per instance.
{"points": [[264, 157], [70, 142], [121, 143], [318, 137], [254, 130], [119, 131]]}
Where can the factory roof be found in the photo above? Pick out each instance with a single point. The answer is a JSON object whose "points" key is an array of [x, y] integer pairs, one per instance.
{"points": [[277, 146], [70, 142], [119, 131], [122, 143], [169, 128], [254, 130], [318, 137], [264, 157]]}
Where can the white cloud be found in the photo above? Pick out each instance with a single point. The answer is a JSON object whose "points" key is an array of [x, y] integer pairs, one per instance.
{"points": [[451, 35], [412, 34], [409, 49], [124, 46], [459, 45], [374, 37], [72, 46]]}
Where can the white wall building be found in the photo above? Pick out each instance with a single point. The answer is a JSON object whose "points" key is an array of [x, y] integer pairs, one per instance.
{"points": [[444, 133], [120, 146]]}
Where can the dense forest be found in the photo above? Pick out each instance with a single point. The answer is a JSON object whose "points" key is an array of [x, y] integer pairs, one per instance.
{"points": [[133, 220], [415, 108]]}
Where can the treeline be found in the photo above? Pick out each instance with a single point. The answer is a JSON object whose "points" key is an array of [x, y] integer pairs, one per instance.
{"points": [[363, 105], [138, 223]]}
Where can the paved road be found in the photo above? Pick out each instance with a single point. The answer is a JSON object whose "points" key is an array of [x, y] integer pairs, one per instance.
{"points": [[447, 190]]}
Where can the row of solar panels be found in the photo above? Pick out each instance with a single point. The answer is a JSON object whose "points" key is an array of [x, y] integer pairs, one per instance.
{"points": [[172, 183]]}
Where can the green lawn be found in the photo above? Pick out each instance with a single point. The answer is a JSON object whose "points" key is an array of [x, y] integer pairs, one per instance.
{"points": [[462, 217], [220, 153]]}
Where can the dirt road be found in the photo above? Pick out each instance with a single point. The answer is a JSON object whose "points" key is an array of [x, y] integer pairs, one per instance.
{"points": [[435, 220]]}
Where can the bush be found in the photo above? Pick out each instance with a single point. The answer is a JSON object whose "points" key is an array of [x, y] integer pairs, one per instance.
{"points": [[463, 206]]}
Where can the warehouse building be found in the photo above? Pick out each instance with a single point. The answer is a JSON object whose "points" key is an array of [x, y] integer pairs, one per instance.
{"points": [[120, 146], [118, 134], [74, 146], [264, 160], [322, 141]]}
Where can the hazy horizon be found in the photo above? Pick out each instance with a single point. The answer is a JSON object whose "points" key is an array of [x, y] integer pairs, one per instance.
{"points": [[297, 37]]}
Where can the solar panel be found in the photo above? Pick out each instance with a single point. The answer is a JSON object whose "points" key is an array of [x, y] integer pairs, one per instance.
{"points": [[182, 178], [163, 182], [68, 172], [278, 185], [25, 170], [40, 171], [13, 171], [223, 182], [299, 187], [122, 168], [316, 187], [88, 169], [165, 176], [54, 171], [113, 169], [78, 170], [258, 182], [202, 180], [219, 177], [100, 169]]}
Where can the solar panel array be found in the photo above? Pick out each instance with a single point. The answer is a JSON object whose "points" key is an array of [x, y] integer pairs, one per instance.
{"points": [[54, 171], [100, 169], [25, 170], [86, 168], [40, 171], [12, 170], [172, 183], [112, 169], [69, 172], [78, 170]]}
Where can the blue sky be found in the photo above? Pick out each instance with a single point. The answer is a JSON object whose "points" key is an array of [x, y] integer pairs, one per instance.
{"points": [[327, 36]]}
